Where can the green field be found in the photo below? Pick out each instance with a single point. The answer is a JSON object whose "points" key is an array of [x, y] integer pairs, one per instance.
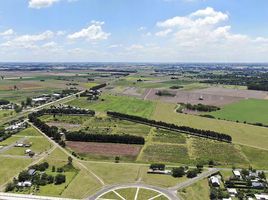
{"points": [[128, 105], [197, 191], [241, 133], [250, 111], [10, 167]]}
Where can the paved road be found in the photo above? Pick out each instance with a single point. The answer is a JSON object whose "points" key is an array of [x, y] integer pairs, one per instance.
{"points": [[193, 180], [165, 192], [11, 196]]}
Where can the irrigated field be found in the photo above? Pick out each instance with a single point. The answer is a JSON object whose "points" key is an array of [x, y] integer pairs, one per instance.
{"points": [[250, 111]]}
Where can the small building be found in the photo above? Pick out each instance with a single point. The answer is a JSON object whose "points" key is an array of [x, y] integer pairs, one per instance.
{"points": [[27, 151], [261, 196], [25, 184], [215, 181], [232, 191], [258, 185], [19, 145], [237, 174], [156, 171]]}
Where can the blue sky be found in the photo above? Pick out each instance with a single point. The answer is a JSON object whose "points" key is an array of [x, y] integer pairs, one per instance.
{"points": [[140, 30]]}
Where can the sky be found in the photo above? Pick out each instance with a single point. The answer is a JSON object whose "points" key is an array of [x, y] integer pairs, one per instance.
{"points": [[133, 31]]}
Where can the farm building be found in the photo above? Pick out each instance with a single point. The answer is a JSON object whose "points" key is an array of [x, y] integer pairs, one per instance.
{"points": [[232, 191], [31, 172], [25, 184]]}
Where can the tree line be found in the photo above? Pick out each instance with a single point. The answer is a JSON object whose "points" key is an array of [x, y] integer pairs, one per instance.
{"points": [[188, 130], [105, 138], [201, 107], [69, 110], [97, 87]]}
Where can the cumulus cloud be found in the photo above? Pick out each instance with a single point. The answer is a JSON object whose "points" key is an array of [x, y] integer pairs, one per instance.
{"points": [[37, 4], [94, 32], [8, 32]]}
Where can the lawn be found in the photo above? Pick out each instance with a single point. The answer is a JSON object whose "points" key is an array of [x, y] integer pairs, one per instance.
{"points": [[241, 133], [197, 191], [257, 157], [6, 113], [250, 111], [29, 132], [123, 104], [11, 167]]}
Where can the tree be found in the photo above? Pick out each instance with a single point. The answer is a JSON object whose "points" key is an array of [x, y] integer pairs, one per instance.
{"points": [[10, 187], [117, 159], [178, 172], [28, 101], [24, 176], [53, 168], [191, 173], [59, 179], [70, 160]]}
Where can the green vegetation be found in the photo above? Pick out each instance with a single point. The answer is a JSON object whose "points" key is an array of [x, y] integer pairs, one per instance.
{"points": [[250, 111], [122, 104], [198, 191], [241, 133], [165, 136]]}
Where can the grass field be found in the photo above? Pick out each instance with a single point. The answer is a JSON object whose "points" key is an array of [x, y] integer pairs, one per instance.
{"points": [[250, 111], [165, 136], [198, 191], [241, 133], [10, 167], [122, 104], [6, 113]]}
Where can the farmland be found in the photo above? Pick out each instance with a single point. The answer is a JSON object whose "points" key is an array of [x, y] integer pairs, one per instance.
{"points": [[249, 111], [97, 164]]}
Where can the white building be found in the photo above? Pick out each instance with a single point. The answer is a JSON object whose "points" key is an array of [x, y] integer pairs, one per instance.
{"points": [[261, 196], [232, 191], [237, 173], [215, 181]]}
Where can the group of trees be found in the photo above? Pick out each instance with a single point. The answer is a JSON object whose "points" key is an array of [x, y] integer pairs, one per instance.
{"points": [[165, 93], [69, 110], [97, 87], [38, 178], [188, 130], [200, 107], [106, 138], [4, 102]]}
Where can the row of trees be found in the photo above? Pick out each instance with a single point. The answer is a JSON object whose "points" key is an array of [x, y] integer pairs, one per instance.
{"points": [[50, 131], [69, 110], [188, 130], [97, 87], [106, 138]]}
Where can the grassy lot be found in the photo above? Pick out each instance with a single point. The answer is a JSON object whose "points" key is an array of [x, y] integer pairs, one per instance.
{"points": [[165, 153], [222, 153], [10, 167], [241, 133], [127, 193], [39, 145], [28, 132], [250, 111], [122, 104], [113, 173], [197, 191], [165, 136], [6, 113], [9, 141], [257, 157]]}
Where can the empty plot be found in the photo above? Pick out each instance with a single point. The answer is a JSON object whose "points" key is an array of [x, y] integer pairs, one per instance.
{"points": [[104, 148]]}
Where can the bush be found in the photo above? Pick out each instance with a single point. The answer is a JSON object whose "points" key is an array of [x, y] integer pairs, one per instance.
{"points": [[192, 173], [59, 179]]}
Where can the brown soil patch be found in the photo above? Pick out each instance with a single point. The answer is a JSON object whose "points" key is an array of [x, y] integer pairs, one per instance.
{"points": [[105, 148]]}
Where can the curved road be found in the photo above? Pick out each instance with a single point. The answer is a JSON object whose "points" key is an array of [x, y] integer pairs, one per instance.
{"points": [[104, 190]]}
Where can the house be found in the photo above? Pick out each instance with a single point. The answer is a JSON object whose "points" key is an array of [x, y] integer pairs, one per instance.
{"points": [[25, 184], [237, 174], [227, 198], [39, 100], [232, 191], [215, 181], [261, 196], [156, 171]]}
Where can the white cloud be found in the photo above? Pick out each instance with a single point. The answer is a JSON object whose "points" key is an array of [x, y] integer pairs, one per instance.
{"points": [[135, 47], [163, 33], [37, 4], [8, 32], [93, 32]]}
